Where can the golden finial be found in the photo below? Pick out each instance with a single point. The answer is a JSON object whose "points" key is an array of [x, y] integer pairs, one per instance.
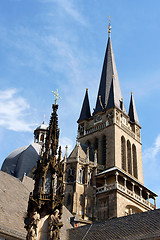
{"points": [[122, 99], [109, 26], [112, 76], [131, 93], [86, 89]]}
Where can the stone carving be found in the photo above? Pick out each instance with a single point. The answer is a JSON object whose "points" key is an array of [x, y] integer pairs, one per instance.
{"points": [[117, 117], [110, 116], [81, 129], [54, 226], [33, 225], [137, 132]]}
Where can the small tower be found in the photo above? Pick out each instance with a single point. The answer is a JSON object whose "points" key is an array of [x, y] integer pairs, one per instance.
{"points": [[40, 133], [45, 203]]}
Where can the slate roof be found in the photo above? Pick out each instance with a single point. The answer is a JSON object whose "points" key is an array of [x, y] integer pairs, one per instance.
{"points": [[14, 196], [43, 126], [144, 225], [132, 111], [22, 160], [82, 152], [109, 69], [85, 111], [13, 206]]}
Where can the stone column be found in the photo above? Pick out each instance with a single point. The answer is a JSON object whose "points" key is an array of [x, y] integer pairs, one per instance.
{"points": [[95, 158], [65, 157], [155, 202], [125, 182], [105, 179], [133, 187], [77, 156], [140, 192], [148, 196], [116, 182]]}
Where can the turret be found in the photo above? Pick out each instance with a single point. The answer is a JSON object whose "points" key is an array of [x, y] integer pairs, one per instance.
{"points": [[132, 111], [85, 111]]}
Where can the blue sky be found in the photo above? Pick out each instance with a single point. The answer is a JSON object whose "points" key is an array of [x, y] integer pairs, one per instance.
{"points": [[50, 44]]}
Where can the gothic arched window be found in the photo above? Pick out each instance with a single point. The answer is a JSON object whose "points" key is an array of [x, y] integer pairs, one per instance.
{"points": [[123, 153], [55, 183], [71, 175], [42, 138], [129, 159], [134, 153], [104, 150], [96, 147], [47, 184]]}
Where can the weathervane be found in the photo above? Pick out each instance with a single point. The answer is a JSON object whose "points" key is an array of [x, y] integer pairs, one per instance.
{"points": [[56, 96], [109, 26]]}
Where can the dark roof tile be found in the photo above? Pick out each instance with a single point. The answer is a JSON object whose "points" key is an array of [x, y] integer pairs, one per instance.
{"points": [[133, 227]]}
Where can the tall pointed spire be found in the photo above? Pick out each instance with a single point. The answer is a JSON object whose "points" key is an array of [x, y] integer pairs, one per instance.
{"points": [[85, 111], [109, 69], [132, 111], [111, 102]]}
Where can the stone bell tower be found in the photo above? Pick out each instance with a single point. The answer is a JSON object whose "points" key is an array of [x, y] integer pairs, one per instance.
{"points": [[115, 136], [45, 203]]}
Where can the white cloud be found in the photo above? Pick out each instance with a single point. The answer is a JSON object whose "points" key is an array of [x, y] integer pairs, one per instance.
{"points": [[150, 154], [151, 167], [70, 9], [13, 111]]}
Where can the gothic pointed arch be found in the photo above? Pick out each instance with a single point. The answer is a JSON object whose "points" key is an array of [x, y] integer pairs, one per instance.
{"points": [[134, 153], [104, 142], [129, 158], [96, 144], [123, 153], [47, 182]]}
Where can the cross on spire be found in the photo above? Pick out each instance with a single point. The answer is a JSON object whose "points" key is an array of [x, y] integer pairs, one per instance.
{"points": [[56, 94], [109, 26]]}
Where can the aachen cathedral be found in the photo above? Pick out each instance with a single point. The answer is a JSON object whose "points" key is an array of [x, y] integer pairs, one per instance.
{"points": [[97, 192]]}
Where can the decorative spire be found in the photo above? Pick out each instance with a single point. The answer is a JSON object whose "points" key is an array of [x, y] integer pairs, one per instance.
{"points": [[47, 196], [109, 26], [132, 111], [44, 118], [85, 111], [109, 69]]}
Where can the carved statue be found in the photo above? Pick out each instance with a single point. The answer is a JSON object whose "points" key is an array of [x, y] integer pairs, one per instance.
{"points": [[32, 232], [54, 226]]}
